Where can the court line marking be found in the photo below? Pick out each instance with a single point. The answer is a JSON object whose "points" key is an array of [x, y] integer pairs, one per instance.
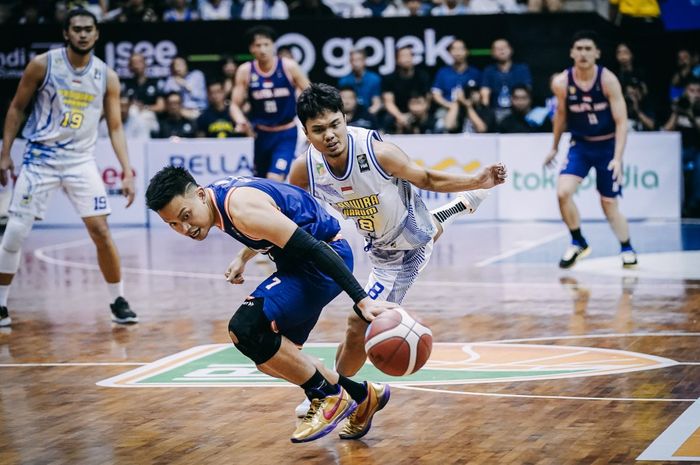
{"points": [[41, 254], [71, 364], [592, 336], [670, 441], [523, 248]]}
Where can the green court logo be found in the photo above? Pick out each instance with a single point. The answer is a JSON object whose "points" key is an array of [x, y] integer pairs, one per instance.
{"points": [[221, 365]]}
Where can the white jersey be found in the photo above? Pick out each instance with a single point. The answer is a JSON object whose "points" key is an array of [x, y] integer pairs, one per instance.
{"points": [[385, 209], [62, 128]]}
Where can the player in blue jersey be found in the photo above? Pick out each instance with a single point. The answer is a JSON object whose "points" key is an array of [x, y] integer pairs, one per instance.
{"points": [[270, 85], [71, 89], [313, 265], [591, 105]]}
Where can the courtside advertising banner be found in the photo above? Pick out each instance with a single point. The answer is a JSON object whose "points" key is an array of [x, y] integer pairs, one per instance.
{"points": [[60, 211], [651, 182]]}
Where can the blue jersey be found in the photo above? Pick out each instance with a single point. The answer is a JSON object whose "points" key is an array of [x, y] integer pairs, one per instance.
{"points": [[295, 203], [271, 96], [588, 111]]}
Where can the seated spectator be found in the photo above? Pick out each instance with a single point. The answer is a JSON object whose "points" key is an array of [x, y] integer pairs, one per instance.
{"points": [[215, 120], [407, 8], [468, 114], [228, 71], [141, 88], [685, 118], [683, 74], [499, 79], [211, 10], [490, 7], [538, 6], [367, 84], [133, 11], [450, 79], [172, 123], [189, 84], [310, 9], [627, 71], [264, 9], [356, 114], [180, 11], [640, 113], [398, 87], [420, 118], [375, 8], [30, 13], [522, 118], [135, 125], [451, 8], [99, 8]]}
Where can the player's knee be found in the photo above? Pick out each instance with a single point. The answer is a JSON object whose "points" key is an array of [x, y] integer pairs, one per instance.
{"points": [[16, 231], [609, 204], [251, 332], [99, 232], [564, 195]]}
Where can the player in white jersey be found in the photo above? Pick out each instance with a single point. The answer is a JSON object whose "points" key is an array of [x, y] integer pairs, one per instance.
{"points": [[71, 88], [371, 182]]}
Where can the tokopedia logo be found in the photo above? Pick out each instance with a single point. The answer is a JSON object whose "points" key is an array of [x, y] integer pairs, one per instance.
{"points": [[633, 178]]}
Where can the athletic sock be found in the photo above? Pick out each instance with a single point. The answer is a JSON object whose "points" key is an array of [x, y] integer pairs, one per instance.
{"points": [[318, 387], [446, 214], [4, 293], [116, 290], [358, 391], [624, 246], [577, 238]]}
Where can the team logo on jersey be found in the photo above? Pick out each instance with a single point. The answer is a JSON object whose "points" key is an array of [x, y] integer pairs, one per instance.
{"points": [[98, 74], [572, 90], [362, 162], [320, 169], [26, 200]]}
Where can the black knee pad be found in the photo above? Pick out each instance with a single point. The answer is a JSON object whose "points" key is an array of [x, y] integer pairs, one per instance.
{"points": [[252, 329]]}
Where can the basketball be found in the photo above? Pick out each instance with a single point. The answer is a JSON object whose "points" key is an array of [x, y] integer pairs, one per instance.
{"points": [[397, 344]]}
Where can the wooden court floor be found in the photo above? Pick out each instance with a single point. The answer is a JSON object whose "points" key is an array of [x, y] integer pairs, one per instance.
{"points": [[543, 366]]}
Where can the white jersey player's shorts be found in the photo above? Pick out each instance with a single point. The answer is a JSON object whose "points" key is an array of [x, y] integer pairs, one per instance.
{"points": [[81, 182], [394, 271]]}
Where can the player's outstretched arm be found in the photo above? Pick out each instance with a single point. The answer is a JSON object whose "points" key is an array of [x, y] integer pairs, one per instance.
{"points": [[113, 118], [298, 174], [31, 79], [395, 162]]}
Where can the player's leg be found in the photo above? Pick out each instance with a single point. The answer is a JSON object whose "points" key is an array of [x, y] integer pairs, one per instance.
{"points": [[29, 200], [464, 203], [282, 153], [261, 154], [576, 167], [83, 185]]}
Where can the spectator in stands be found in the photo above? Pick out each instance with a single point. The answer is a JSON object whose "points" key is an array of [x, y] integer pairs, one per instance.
{"points": [[420, 118], [215, 120], [522, 117], [356, 114], [133, 11], [228, 71], [398, 87], [538, 6], [210, 10], [683, 74], [97, 7], [468, 114], [189, 84], [172, 123], [60, 12], [408, 8], [141, 88], [375, 8], [451, 8], [180, 11], [134, 124], [489, 7], [452, 78], [685, 117], [640, 114], [636, 16], [367, 84], [30, 13], [264, 9], [499, 79], [627, 71], [310, 9]]}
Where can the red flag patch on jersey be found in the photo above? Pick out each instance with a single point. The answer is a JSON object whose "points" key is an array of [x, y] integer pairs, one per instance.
{"points": [[346, 190]]}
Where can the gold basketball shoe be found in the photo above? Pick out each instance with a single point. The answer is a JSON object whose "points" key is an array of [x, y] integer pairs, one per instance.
{"points": [[360, 421], [323, 416]]}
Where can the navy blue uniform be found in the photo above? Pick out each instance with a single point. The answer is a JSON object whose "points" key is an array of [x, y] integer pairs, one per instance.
{"points": [[297, 292], [592, 127], [273, 108]]}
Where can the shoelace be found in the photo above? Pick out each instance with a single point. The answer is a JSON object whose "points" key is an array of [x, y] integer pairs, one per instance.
{"points": [[313, 408]]}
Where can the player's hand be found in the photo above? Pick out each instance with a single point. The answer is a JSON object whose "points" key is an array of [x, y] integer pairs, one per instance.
{"points": [[128, 189], [371, 308], [244, 127], [550, 160], [493, 175], [615, 166], [234, 272], [7, 170]]}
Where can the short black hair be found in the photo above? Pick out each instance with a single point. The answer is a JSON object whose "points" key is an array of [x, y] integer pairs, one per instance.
{"points": [[264, 31], [522, 87], [78, 12], [586, 34], [167, 184], [317, 99]]}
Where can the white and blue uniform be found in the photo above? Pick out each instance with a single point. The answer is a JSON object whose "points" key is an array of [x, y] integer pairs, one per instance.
{"points": [[61, 133], [397, 226]]}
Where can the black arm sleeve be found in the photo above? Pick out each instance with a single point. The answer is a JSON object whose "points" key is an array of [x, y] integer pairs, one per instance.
{"points": [[303, 246]]}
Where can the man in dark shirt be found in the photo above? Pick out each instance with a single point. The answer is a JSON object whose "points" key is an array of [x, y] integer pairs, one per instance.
{"points": [[356, 114], [467, 114], [215, 120], [398, 87], [421, 119], [172, 123], [310, 9], [521, 118], [498, 79], [140, 87]]}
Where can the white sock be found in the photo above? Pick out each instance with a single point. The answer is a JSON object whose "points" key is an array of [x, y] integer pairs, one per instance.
{"points": [[4, 293], [446, 214], [115, 290]]}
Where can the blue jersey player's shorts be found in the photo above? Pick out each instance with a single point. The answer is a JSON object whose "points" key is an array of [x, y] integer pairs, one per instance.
{"points": [[274, 151], [294, 298], [584, 155]]}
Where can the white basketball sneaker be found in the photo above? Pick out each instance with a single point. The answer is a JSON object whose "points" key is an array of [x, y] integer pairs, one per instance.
{"points": [[302, 408], [472, 199]]}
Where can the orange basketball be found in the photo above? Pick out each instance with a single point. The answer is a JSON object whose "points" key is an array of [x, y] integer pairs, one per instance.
{"points": [[397, 344]]}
